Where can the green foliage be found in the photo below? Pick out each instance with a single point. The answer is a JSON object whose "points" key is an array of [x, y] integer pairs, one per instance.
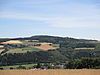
{"points": [[23, 50], [98, 46], [89, 63], [21, 67], [38, 65]]}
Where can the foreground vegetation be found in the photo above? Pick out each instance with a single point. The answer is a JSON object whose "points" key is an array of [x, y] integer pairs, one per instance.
{"points": [[50, 72], [87, 63]]}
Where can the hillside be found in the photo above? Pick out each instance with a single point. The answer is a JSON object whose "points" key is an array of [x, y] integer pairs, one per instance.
{"points": [[47, 49]]}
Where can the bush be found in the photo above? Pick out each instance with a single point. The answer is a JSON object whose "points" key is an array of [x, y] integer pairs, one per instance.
{"points": [[11, 68], [89, 63], [21, 67], [1, 68]]}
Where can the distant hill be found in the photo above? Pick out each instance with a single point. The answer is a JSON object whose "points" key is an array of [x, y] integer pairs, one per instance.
{"points": [[51, 38], [67, 49]]}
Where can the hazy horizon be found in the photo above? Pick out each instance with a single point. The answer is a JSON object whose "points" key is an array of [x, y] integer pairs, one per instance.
{"points": [[65, 18], [49, 35]]}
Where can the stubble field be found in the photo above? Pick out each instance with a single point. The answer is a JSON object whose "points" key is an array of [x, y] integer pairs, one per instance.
{"points": [[51, 72]]}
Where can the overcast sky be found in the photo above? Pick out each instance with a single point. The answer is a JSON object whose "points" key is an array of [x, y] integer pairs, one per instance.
{"points": [[70, 18]]}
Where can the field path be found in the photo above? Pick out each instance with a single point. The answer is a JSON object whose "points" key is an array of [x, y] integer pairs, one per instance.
{"points": [[50, 72]]}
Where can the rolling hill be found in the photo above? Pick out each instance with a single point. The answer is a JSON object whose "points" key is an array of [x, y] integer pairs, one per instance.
{"points": [[47, 49]]}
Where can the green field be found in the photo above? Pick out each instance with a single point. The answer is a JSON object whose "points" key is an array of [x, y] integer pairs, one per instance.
{"points": [[22, 50], [27, 66]]}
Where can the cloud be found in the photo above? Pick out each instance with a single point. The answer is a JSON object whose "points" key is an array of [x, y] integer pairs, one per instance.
{"points": [[57, 21], [80, 16], [59, 15], [75, 22], [20, 16]]}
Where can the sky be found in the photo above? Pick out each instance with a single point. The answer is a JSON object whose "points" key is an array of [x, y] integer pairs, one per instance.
{"points": [[68, 18]]}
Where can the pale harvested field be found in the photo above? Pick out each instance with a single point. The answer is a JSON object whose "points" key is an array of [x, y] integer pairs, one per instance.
{"points": [[1, 50], [45, 47], [12, 42], [50, 72], [84, 48]]}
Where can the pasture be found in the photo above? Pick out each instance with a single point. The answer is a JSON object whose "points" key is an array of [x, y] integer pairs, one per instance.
{"points": [[23, 50]]}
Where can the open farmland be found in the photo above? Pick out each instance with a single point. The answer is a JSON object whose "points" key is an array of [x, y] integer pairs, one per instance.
{"points": [[53, 52], [12, 42], [19, 46], [50, 72], [23, 50], [46, 46], [84, 48]]}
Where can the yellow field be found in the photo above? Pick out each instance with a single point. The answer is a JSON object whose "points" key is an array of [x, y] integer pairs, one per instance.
{"points": [[50, 72], [12, 42]]}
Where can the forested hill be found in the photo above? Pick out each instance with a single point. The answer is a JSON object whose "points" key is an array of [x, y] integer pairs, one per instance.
{"points": [[69, 49], [62, 41], [53, 39]]}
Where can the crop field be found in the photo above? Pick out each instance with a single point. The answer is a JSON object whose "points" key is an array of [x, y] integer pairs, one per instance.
{"points": [[51, 72], [84, 48], [23, 50], [12, 42], [46, 46]]}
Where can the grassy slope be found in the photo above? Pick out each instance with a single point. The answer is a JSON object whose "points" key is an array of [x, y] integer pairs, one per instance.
{"points": [[15, 66], [23, 50]]}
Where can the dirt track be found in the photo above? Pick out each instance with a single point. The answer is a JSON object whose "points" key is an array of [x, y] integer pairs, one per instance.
{"points": [[50, 72]]}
